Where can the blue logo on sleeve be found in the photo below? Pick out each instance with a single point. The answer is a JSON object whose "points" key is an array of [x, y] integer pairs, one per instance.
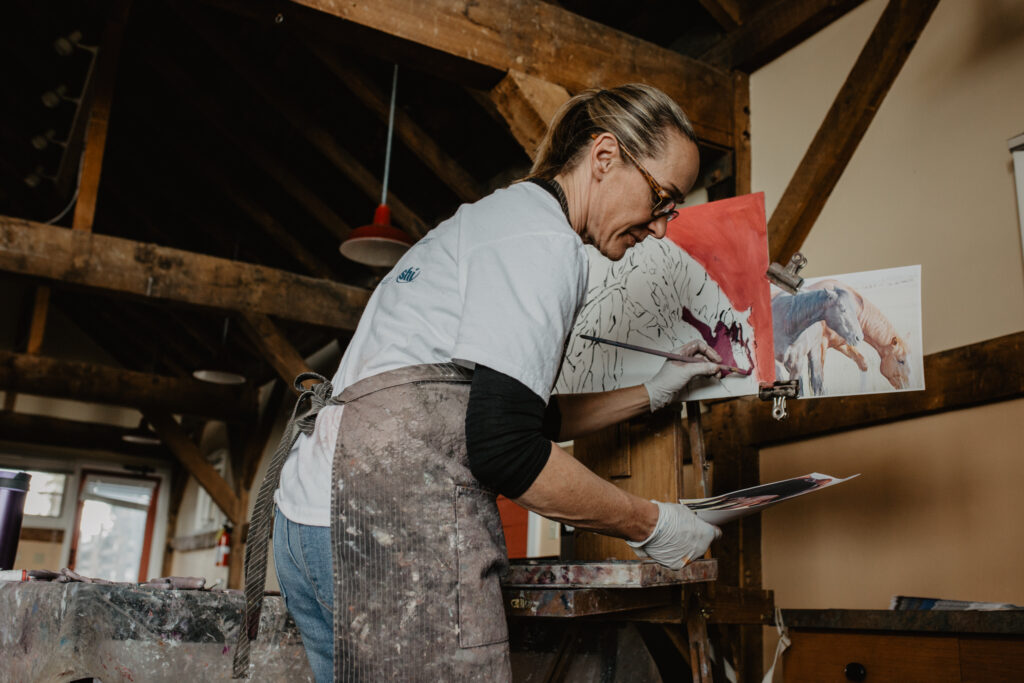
{"points": [[408, 275]]}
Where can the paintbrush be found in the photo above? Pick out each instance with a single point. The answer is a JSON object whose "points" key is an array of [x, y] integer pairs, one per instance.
{"points": [[664, 354]]}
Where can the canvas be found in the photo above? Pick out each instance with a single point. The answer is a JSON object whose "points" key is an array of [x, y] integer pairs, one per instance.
{"points": [[705, 280], [857, 333]]}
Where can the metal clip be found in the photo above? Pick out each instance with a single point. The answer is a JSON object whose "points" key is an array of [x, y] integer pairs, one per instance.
{"points": [[779, 408], [777, 394], [788, 278]]}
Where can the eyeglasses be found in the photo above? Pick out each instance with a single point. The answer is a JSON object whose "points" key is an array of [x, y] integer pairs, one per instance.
{"points": [[664, 204]]}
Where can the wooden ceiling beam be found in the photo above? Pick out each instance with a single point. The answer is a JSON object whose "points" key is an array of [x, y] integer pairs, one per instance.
{"points": [[52, 431], [959, 378], [191, 458], [282, 100], [417, 140], [727, 13], [547, 41], [884, 54], [91, 383], [162, 274], [772, 30], [526, 104], [274, 347]]}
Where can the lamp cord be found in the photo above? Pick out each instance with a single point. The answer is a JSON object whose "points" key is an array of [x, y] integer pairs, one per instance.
{"points": [[391, 128]]}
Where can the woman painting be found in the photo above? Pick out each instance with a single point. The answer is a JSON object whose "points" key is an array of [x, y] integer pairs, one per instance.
{"points": [[387, 540]]}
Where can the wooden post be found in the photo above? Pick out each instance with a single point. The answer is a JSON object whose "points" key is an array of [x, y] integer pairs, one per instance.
{"points": [[189, 455], [102, 83], [698, 457]]}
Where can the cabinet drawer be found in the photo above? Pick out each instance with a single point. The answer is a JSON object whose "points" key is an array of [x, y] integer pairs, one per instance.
{"points": [[816, 657]]}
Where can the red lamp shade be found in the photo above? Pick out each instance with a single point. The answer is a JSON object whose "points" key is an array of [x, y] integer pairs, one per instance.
{"points": [[377, 244]]}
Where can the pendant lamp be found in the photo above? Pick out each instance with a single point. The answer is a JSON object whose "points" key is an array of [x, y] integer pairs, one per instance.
{"points": [[219, 371], [143, 435], [380, 243]]}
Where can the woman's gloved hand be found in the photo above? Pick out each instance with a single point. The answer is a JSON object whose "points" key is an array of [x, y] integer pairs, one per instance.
{"points": [[678, 537], [672, 378]]}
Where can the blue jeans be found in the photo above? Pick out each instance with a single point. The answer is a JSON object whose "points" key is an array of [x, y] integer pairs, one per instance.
{"points": [[302, 557]]}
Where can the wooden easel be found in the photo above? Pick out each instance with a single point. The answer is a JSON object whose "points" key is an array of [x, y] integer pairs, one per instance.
{"points": [[646, 457]]}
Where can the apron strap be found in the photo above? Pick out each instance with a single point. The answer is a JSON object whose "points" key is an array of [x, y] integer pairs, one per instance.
{"points": [[310, 403], [303, 419]]}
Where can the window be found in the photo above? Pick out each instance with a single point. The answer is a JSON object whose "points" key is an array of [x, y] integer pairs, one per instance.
{"points": [[45, 494], [114, 531]]}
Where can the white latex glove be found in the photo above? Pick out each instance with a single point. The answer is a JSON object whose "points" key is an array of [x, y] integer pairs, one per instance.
{"points": [[672, 378], [678, 537]]}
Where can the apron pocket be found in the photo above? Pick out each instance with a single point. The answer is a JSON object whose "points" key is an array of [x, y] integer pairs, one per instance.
{"points": [[482, 560]]}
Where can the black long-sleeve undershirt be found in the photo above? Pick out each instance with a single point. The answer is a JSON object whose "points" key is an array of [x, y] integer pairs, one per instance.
{"points": [[509, 431]]}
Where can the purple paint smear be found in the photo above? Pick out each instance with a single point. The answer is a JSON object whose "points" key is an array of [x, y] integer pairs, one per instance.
{"points": [[722, 340]]}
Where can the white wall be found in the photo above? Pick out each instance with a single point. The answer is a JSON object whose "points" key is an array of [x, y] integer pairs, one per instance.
{"points": [[932, 183], [932, 180]]}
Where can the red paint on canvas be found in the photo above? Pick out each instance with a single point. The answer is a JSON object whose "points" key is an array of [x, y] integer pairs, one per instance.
{"points": [[730, 239]]}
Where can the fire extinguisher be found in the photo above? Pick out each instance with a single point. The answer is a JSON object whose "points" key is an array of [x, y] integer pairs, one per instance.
{"points": [[223, 546]]}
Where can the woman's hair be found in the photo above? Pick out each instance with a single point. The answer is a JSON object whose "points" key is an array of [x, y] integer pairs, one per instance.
{"points": [[638, 115]]}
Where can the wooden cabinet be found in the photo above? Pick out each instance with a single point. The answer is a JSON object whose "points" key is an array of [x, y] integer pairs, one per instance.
{"points": [[936, 648]]}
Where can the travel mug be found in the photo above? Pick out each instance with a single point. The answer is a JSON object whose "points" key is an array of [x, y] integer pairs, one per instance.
{"points": [[13, 488]]}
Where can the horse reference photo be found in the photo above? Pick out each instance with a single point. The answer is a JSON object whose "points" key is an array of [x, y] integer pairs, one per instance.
{"points": [[793, 314]]}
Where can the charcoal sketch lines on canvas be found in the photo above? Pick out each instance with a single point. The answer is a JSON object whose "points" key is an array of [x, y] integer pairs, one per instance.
{"points": [[656, 296], [703, 281]]}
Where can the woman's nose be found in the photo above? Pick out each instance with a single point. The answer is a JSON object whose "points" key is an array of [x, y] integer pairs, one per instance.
{"points": [[658, 226]]}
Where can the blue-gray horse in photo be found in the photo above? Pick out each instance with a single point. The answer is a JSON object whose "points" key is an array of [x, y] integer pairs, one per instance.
{"points": [[794, 313]]}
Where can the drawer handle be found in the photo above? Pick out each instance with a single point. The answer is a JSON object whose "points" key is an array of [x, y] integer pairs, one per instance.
{"points": [[855, 671]]}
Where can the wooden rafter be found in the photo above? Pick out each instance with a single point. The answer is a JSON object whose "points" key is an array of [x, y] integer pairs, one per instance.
{"points": [[279, 97], [275, 168], [103, 384], [162, 274], [274, 347], [771, 30], [52, 431], [99, 116], [526, 104], [727, 13], [226, 185], [876, 68], [544, 40], [99, 96], [741, 133], [191, 458], [417, 140]]}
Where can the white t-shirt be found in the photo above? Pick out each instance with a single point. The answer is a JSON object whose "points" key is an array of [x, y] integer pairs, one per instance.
{"points": [[499, 283]]}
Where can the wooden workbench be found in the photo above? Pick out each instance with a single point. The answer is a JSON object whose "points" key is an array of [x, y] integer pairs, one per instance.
{"points": [[879, 646]]}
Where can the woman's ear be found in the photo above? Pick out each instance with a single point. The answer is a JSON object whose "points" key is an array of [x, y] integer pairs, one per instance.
{"points": [[603, 154]]}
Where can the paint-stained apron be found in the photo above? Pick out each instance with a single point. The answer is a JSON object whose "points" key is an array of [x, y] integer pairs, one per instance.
{"points": [[418, 544], [417, 541]]}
